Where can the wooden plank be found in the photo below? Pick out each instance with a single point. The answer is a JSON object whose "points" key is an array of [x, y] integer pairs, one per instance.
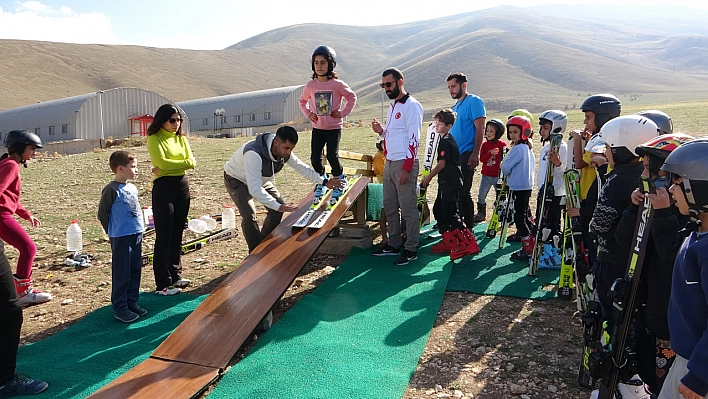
{"points": [[214, 331], [352, 171], [355, 156], [155, 378]]}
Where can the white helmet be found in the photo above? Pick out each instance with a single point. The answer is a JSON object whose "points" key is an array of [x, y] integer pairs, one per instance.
{"points": [[595, 145], [558, 120], [628, 132]]}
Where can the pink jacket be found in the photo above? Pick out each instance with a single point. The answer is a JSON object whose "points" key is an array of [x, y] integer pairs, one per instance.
{"points": [[10, 189], [324, 97]]}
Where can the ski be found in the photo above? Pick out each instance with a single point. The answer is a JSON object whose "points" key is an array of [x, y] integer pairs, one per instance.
{"points": [[198, 243], [545, 198], [613, 364], [506, 214], [565, 281], [320, 221], [502, 194], [316, 204], [584, 287], [431, 146]]}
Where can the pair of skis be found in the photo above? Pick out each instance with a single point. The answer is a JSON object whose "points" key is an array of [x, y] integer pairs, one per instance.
{"points": [[546, 198], [304, 220], [612, 364], [431, 146], [198, 243], [501, 203]]}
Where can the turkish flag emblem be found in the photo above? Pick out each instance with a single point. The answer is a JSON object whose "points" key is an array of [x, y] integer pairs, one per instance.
{"points": [[442, 153], [398, 115]]}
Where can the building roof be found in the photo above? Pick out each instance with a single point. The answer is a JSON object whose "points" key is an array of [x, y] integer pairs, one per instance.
{"points": [[238, 104]]}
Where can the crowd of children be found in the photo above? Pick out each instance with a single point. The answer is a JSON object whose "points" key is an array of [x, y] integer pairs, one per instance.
{"points": [[611, 152]]}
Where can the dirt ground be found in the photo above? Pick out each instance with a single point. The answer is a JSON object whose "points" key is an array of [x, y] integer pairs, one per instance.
{"points": [[480, 347]]}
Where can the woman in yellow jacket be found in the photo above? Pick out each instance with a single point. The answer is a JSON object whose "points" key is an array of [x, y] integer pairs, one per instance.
{"points": [[171, 157]]}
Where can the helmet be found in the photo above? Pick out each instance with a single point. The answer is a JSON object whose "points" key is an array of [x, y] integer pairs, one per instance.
{"points": [[596, 144], [521, 121], [690, 161], [16, 140], [329, 54], [557, 119], [661, 119], [605, 107], [379, 138], [622, 135], [499, 125], [522, 112], [661, 146]]}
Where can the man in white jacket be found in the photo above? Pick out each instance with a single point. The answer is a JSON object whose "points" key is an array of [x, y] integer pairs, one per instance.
{"points": [[249, 175]]}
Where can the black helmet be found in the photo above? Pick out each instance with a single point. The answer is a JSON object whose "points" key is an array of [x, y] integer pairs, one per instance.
{"points": [[500, 127], [605, 107], [16, 140], [662, 120], [690, 161], [329, 54]]}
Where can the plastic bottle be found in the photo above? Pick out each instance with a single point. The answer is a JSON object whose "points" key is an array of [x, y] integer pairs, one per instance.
{"points": [[74, 237], [147, 215], [228, 218], [211, 223], [197, 225]]}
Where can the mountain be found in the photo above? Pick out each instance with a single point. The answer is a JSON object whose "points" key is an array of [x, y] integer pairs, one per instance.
{"points": [[547, 56]]}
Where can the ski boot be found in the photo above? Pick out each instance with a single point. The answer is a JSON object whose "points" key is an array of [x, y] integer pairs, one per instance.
{"points": [[319, 191], [337, 192], [481, 215], [632, 389], [466, 244], [526, 250], [447, 244], [28, 295]]}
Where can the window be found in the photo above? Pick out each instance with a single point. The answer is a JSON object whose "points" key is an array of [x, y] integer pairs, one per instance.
{"points": [[64, 129], [51, 129], [36, 131], [237, 118], [205, 121], [223, 119], [251, 117], [266, 116]]}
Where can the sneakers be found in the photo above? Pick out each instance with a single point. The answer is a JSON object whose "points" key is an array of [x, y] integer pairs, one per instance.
{"points": [[126, 316], [182, 283], [137, 310], [386, 250], [406, 257], [21, 385], [337, 192], [168, 291]]}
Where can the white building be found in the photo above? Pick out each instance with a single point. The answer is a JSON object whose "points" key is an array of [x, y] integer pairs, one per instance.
{"points": [[244, 113], [118, 112]]}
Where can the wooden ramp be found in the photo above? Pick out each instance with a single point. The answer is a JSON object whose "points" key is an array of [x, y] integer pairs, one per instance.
{"points": [[198, 349]]}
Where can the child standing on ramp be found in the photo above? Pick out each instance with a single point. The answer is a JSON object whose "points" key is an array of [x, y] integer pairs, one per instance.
{"points": [[457, 239], [320, 102]]}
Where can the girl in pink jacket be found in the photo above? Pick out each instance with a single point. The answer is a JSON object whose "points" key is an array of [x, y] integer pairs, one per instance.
{"points": [[320, 102], [21, 145]]}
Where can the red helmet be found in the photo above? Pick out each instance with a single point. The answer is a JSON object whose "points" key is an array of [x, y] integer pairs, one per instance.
{"points": [[522, 122], [661, 146]]}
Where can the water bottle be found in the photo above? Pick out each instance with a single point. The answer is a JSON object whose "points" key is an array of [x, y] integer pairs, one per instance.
{"points": [[74, 237], [228, 218], [211, 223], [147, 215]]}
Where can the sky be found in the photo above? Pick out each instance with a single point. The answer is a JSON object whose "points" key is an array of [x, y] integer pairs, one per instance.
{"points": [[216, 24]]}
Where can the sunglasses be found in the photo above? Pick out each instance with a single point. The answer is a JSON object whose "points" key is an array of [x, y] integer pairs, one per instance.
{"points": [[173, 120], [387, 84]]}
